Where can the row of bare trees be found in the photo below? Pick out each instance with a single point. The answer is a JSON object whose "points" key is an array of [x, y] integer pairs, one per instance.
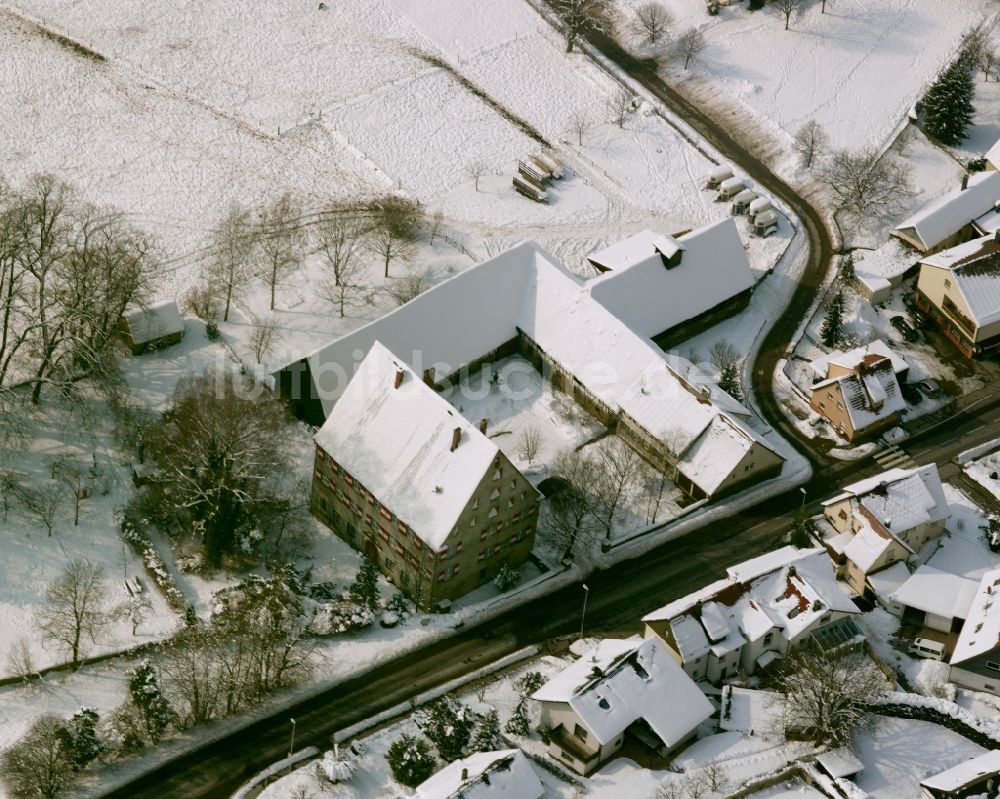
{"points": [[68, 270], [271, 244], [596, 486]]}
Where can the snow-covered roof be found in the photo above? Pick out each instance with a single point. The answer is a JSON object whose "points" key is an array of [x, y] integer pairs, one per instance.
{"points": [[650, 298], [750, 709], [620, 682], [839, 541], [934, 591], [898, 499], [852, 359], [708, 461], [993, 155], [975, 271], [155, 322], [487, 775], [981, 631], [891, 260], [965, 774], [397, 441], [887, 580], [871, 394], [947, 215], [840, 762], [764, 595], [867, 547], [523, 289]]}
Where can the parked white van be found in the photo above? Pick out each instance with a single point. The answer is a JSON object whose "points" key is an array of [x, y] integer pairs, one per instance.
{"points": [[926, 648]]}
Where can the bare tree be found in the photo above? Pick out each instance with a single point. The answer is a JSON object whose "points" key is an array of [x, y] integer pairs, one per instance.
{"points": [[690, 44], [74, 607], [652, 20], [136, 610], [669, 789], [620, 104], [619, 468], [218, 449], [828, 695], [656, 480], [264, 335], [436, 219], [787, 8], [809, 142], [569, 520], [38, 764], [476, 170], [339, 237], [70, 472], [233, 242], [10, 489], [987, 60], [20, 661], [579, 124], [280, 240], [822, 6], [582, 18], [42, 504], [694, 785], [192, 675], [714, 776], [407, 288], [865, 184], [529, 442], [395, 227]]}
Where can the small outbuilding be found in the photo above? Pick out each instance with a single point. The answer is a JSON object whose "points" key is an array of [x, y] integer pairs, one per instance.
{"points": [[152, 328], [839, 763]]}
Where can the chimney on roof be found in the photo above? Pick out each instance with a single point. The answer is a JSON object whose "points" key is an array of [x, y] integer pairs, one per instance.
{"points": [[965, 181], [399, 377], [456, 436], [996, 233], [465, 774], [482, 425], [429, 377]]}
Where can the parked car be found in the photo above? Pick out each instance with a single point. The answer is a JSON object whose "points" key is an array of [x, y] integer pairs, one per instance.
{"points": [[927, 648], [930, 388], [920, 319], [905, 328]]}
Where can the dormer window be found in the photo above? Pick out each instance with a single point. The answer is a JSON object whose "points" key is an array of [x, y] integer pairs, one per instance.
{"points": [[603, 704], [497, 475]]}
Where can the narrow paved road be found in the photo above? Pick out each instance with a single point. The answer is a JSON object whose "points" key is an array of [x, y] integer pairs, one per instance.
{"points": [[618, 595]]}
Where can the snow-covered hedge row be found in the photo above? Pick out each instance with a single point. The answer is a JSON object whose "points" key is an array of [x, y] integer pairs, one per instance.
{"points": [[942, 707], [155, 567]]}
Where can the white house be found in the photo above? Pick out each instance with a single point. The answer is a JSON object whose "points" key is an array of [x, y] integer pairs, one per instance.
{"points": [[654, 282], [484, 775], [755, 614], [975, 661], [937, 601], [619, 689], [956, 217], [884, 520]]}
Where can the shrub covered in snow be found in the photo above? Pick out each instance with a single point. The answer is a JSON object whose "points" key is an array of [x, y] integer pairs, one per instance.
{"points": [[448, 724], [155, 567]]}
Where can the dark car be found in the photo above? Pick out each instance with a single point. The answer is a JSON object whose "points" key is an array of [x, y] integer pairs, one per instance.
{"points": [[905, 328]]}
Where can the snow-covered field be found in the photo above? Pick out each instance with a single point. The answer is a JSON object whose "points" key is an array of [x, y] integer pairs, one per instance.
{"points": [[903, 751], [831, 67]]}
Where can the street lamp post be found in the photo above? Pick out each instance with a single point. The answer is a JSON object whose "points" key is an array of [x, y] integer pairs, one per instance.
{"points": [[802, 489], [583, 615], [291, 746]]}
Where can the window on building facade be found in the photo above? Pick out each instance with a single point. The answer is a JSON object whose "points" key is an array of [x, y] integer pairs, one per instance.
{"points": [[579, 732]]}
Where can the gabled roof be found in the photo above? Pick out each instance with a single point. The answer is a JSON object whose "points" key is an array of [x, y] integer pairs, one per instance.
{"points": [[975, 271], [155, 322], [981, 631], [867, 547], [759, 595], [620, 682], [934, 591], [899, 499], [650, 298], [935, 222], [524, 289], [488, 775], [993, 156], [397, 443], [871, 394], [852, 359], [966, 773]]}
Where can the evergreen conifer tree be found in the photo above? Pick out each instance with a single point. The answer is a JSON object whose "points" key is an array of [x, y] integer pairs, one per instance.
{"points": [[947, 106], [449, 725], [518, 723], [144, 687], [365, 591], [729, 380], [832, 330], [488, 736], [410, 760], [79, 739]]}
